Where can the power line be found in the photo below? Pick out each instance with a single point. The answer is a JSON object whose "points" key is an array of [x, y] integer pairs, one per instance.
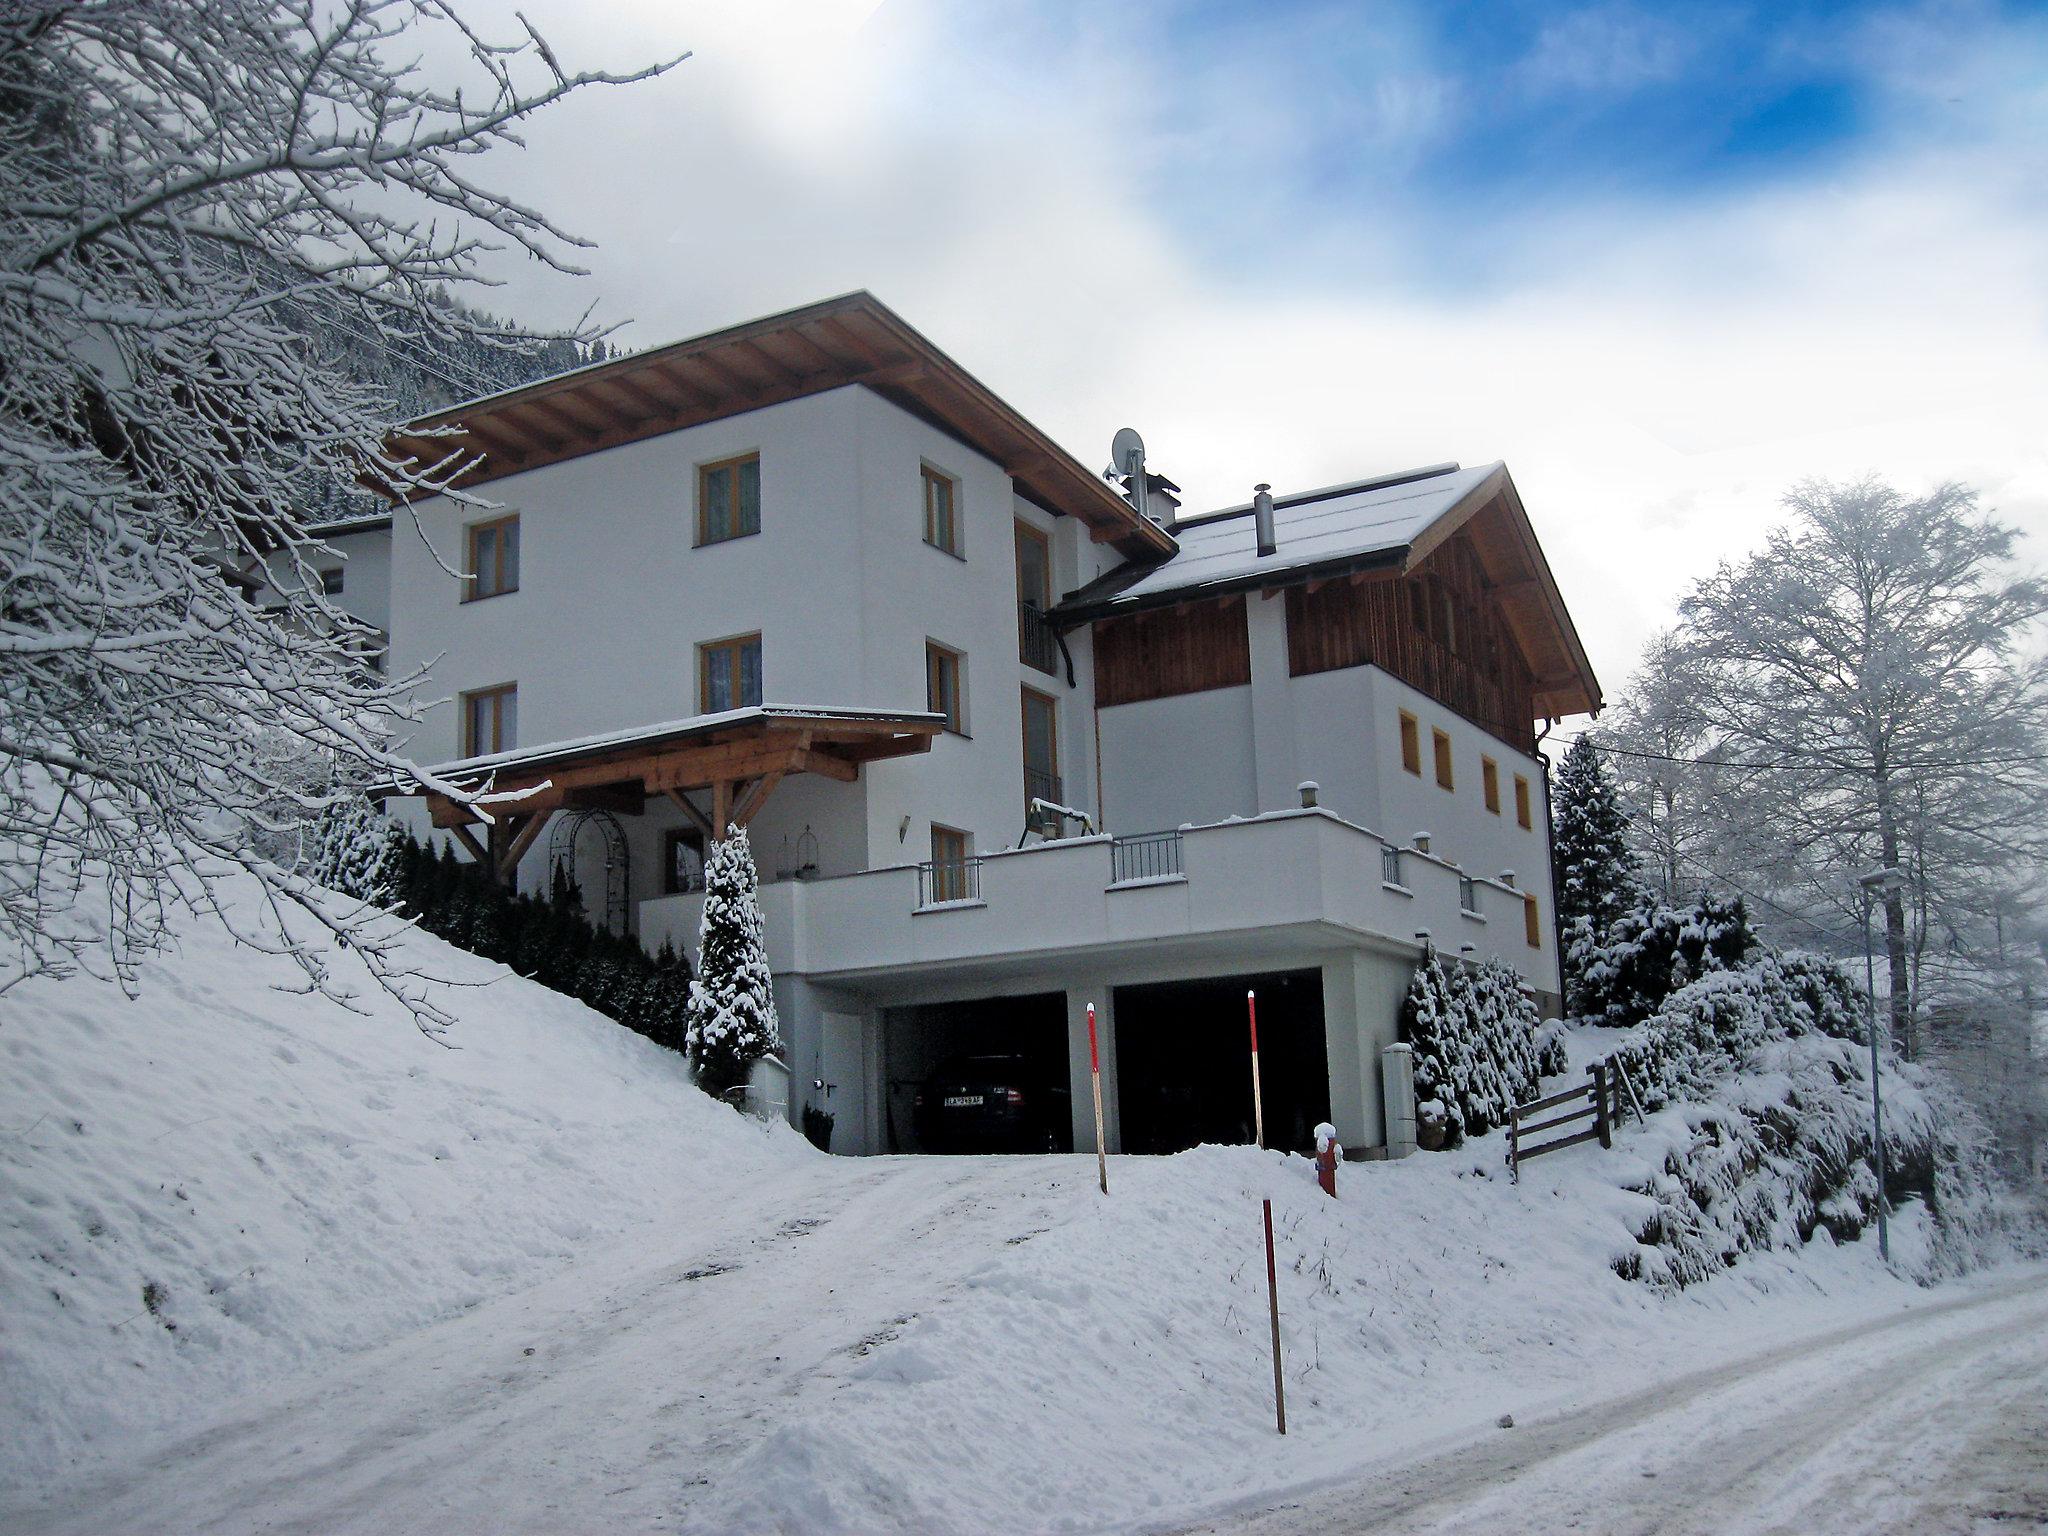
{"points": [[1903, 766]]}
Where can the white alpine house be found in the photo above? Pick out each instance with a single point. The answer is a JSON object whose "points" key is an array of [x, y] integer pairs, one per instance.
{"points": [[1004, 743]]}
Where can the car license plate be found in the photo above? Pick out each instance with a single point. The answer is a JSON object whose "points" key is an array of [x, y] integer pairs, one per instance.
{"points": [[963, 1101]]}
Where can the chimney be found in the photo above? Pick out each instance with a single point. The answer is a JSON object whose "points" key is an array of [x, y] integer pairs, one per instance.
{"points": [[1422, 842], [1262, 517]]}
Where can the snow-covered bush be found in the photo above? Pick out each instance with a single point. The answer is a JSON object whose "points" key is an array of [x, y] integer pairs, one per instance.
{"points": [[1652, 951], [357, 852], [1473, 1030], [732, 1020]]}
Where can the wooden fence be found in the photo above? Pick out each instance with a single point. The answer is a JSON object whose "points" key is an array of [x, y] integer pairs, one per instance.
{"points": [[1599, 1101]]}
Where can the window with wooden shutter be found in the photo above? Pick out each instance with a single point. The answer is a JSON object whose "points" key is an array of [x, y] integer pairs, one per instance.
{"points": [[1489, 774], [1442, 743], [1411, 744], [1522, 817]]}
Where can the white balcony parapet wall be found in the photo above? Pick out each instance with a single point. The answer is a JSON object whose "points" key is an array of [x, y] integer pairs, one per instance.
{"points": [[1301, 870]]}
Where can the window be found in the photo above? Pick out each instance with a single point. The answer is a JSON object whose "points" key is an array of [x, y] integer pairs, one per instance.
{"points": [[949, 864], [942, 670], [1442, 744], [1411, 744], [490, 720], [728, 499], [941, 511], [1034, 567], [1041, 748], [331, 582], [1522, 803], [682, 861], [729, 674], [1468, 894], [493, 558], [1532, 927], [1489, 773]]}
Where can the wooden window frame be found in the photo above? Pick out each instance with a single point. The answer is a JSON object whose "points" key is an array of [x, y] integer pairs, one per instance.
{"points": [[937, 656], [1411, 743], [1025, 695], [949, 870], [704, 474], [470, 699], [736, 644], [1042, 599], [1523, 818], [1440, 750], [472, 585], [1532, 922], [952, 544], [1489, 775]]}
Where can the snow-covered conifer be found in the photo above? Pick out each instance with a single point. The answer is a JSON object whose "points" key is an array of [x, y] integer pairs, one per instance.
{"points": [[1598, 875], [732, 1006]]}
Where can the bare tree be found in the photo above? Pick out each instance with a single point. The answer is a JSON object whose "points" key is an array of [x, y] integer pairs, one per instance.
{"points": [[1864, 695], [182, 185]]}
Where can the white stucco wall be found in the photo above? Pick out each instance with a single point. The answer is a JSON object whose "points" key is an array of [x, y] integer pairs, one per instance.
{"points": [[1190, 758]]}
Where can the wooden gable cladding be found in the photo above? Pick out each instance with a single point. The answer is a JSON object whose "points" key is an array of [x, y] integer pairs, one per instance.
{"points": [[1166, 651], [1441, 629]]}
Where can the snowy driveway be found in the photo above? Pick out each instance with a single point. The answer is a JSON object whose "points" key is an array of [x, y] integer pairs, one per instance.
{"points": [[1931, 1421]]}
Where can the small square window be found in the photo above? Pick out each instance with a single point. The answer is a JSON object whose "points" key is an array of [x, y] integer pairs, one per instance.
{"points": [[1489, 773], [1522, 818], [1411, 744], [1442, 744], [941, 511], [729, 674], [490, 720], [331, 582], [493, 558], [728, 499], [682, 864], [942, 669]]}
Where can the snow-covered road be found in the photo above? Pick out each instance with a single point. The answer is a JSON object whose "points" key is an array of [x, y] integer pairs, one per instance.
{"points": [[1934, 1420]]}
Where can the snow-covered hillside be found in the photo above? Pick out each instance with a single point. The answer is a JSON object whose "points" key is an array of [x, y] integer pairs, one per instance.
{"points": [[218, 1183], [539, 1283]]}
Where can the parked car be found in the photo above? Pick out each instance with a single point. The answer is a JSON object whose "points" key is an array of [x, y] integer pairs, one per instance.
{"points": [[992, 1103]]}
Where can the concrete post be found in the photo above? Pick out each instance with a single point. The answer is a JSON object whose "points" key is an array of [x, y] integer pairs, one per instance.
{"points": [[1397, 1090]]}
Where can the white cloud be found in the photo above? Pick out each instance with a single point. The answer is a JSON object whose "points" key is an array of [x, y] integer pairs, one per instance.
{"points": [[1655, 375]]}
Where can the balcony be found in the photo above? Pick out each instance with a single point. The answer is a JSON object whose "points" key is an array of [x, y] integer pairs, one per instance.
{"points": [[1302, 881], [1040, 785], [1038, 643]]}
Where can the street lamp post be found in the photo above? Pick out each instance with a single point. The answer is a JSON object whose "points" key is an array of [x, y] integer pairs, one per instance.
{"points": [[1886, 881]]}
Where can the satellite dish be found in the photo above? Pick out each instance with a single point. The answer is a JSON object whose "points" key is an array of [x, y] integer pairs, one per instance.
{"points": [[1127, 458], [1123, 447]]}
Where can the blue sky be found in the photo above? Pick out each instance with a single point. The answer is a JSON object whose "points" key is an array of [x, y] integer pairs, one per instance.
{"points": [[1665, 261]]}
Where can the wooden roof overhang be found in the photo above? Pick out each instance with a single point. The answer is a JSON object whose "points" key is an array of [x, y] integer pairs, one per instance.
{"points": [[853, 339], [738, 757]]}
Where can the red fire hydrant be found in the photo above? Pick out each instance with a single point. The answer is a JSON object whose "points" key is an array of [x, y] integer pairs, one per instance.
{"points": [[1328, 1153]]}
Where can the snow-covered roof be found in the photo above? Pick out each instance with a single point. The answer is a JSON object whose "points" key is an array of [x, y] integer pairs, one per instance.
{"points": [[523, 758], [1338, 526]]}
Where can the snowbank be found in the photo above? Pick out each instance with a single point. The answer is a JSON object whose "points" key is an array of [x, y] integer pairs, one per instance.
{"points": [[220, 1183]]}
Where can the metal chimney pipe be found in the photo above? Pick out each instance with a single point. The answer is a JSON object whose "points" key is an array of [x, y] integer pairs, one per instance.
{"points": [[1262, 517]]}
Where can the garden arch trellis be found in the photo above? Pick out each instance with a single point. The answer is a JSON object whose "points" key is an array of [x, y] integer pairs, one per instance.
{"points": [[562, 853]]}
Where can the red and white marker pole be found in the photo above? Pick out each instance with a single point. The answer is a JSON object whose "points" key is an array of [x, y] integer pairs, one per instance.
{"points": [[1251, 1008], [1095, 1075]]}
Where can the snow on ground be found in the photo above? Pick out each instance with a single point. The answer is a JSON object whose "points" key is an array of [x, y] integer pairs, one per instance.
{"points": [[541, 1284], [289, 1181]]}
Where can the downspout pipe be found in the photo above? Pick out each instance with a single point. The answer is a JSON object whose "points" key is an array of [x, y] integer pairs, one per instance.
{"points": [[1550, 855]]}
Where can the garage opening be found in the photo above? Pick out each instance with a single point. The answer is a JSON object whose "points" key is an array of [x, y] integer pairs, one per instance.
{"points": [[988, 1075], [1184, 1062]]}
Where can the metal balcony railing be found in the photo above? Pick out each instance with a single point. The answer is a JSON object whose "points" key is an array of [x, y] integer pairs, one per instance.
{"points": [[1390, 865], [1149, 856], [941, 880], [1038, 642], [1040, 785]]}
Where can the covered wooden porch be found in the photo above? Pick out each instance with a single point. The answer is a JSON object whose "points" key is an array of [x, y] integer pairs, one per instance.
{"points": [[717, 770]]}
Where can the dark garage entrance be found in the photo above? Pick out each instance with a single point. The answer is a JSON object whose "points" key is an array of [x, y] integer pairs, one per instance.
{"points": [[1184, 1062], [918, 1041]]}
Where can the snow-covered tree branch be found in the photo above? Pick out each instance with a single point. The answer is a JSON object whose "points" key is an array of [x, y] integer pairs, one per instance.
{"points": [[196, 198]]}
